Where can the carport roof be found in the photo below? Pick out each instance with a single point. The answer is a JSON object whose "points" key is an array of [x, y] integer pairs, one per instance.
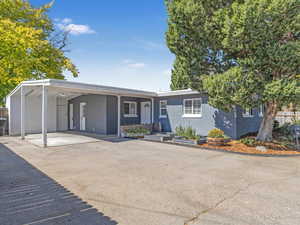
{"points": [[97, 89]]}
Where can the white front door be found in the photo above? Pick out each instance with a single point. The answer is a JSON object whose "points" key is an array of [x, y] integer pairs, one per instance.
{"points": [[82, 115], [71, 116], [145, 112]]}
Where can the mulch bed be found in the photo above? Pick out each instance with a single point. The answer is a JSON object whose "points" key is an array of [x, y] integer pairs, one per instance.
{"points": [[236, 146]]}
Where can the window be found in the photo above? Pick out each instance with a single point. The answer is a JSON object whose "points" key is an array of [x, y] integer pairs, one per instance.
{"points": [[130, 109], [192, 107], [261, 110], [248, 112], [163, 108]]}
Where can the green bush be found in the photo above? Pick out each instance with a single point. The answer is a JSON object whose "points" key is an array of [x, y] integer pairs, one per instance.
{"points": [[248, 141], [187, 133], [296, 122], [216, 133], [137, 130]]}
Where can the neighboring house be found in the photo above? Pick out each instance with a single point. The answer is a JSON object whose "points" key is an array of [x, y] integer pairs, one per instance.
{"points": [[58, 105]]}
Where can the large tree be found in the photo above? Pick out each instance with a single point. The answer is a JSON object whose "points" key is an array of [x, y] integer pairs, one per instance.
{"points": [[179, 78], [241, 52], [30, 47]]}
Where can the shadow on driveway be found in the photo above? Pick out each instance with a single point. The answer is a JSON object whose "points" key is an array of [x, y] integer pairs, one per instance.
{"points": [[30, 197]]}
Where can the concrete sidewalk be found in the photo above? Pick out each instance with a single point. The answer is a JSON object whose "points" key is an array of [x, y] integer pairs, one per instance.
{"points": [[143, 183]]}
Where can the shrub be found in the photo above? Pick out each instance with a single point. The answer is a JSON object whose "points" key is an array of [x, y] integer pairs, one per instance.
{"points": [[187, 133], [180, 131], [216, 133], [296, 122], [248, 141], [137, 130]]}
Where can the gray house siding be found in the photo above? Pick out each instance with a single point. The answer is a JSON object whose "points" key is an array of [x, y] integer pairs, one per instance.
{"points": [[132, 120], [102, 116], [96, 113], [211, 117], [112, 115], [247, 125]]}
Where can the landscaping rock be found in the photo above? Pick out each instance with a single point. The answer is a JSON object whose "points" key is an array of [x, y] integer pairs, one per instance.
{"points": [[261, 148]]}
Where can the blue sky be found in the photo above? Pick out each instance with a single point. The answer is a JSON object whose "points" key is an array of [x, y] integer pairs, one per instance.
{"points": [[118, 43]]}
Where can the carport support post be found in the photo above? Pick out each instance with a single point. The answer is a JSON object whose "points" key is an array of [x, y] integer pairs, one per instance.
{"points": [[44, 115], [23, 112], [119, 116], [152, 110]]}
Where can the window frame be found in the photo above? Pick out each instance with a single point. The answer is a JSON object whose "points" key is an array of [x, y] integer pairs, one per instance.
{"points": [[248, 112], [261, 110], [192, 115], [135, 109], [160, 108]]}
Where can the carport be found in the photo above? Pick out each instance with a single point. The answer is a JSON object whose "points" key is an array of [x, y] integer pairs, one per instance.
{"points": [[42, 106]]}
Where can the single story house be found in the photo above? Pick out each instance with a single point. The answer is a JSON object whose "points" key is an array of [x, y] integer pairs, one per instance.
{"points": [[51, 105]]}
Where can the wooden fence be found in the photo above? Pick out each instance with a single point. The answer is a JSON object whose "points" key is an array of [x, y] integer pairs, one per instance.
{"points": [[287, 117], [3, 121]]}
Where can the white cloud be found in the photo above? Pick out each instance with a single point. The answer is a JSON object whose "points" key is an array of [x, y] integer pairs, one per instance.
{"points": [[132, 64], [74, 29], [136, 65], [77, 29], [67, 20]]}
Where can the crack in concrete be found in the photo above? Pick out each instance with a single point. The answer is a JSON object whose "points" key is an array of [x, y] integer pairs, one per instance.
{"points": [[195, 218], [137, 208]]}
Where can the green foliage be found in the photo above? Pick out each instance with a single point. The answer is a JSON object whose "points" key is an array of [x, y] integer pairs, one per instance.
{"points": [[249, 141], [187, 133], [216, 133], [240, 52], [30, 48], [179, 79], [137, 130]]}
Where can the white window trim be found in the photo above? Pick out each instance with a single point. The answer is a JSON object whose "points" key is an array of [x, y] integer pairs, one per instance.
{"points": [[261, 110], [163, 116], [247, 113], [135, 106], [192, 115]]}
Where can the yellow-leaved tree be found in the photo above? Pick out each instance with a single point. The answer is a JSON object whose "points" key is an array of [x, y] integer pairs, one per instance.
{"points": [[30, 47]]}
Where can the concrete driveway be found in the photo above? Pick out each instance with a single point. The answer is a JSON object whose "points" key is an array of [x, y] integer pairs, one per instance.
{"points": [[144, 183]]}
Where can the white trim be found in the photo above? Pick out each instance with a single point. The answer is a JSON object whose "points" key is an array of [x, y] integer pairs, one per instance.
{"points": [[160, 115], [130, 115], [178, 92], [248, 113], [135, 107], [261, 110], [192, 115], [71, 86]]}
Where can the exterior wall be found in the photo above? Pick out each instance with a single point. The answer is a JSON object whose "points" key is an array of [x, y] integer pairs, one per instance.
{"points": [[33, 118], [112, 115], [96, 113], [211, 117], [62, 114], [247, 124], [132, 120]]}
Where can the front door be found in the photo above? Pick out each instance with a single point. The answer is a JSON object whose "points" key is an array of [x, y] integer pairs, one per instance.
{"points": [[82, 116], [145, 112]]}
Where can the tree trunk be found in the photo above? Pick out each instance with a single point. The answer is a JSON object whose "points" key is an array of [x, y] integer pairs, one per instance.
{"points": [[266, 127]]}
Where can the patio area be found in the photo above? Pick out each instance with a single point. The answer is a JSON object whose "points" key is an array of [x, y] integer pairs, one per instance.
{"points": [[69, 138]]}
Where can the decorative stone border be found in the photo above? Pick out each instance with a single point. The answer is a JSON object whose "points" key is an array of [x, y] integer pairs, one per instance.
{"points": [[221, 150]]}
